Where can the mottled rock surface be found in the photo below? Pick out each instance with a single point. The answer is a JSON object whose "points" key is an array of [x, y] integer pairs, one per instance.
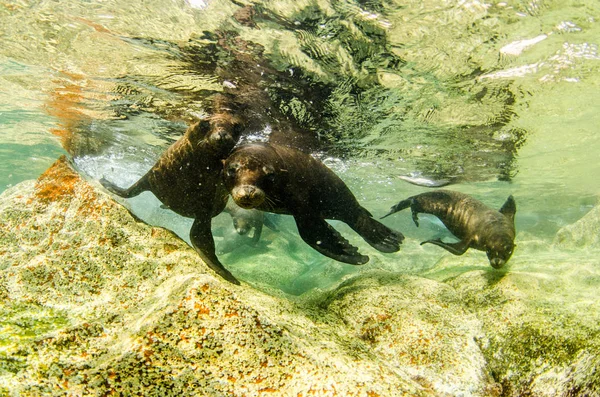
{"points": [[95, 302]]}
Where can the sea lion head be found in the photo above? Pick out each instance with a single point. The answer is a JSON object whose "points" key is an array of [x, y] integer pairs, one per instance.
{"points": [[499, 249], [221, 131], [241, 225], [243, 220], [500, 244], [249, 173]]}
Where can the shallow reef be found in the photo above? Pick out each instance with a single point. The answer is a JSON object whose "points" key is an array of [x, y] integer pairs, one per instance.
{"points": [[95, 302]]}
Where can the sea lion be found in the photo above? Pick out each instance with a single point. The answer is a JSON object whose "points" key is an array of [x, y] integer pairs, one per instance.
{"points": [[284, 180], [475, 224], [187, 179], [244, 220]]}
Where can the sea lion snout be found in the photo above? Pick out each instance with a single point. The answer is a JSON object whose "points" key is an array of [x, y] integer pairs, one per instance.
{"points": [[222, 137], [241, 226], [497, 263], [248, 196], [500, 253]]}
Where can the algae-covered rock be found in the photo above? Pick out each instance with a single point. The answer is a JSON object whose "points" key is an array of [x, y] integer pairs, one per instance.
{"points": [[419, 325], [95, 302], [542, 335]]}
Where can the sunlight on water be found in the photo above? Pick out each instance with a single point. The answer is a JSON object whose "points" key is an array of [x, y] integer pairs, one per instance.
{"points": [[26, 147]]}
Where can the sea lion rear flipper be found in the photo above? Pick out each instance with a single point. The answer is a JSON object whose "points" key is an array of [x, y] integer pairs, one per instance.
{"points": [[377, 234], [509, 208], [203, 242], [140, 186], [320, 235], [457, 248], [399, 207]]}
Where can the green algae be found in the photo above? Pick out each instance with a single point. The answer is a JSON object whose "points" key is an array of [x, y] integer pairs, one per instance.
{"points": [[21, 325]]}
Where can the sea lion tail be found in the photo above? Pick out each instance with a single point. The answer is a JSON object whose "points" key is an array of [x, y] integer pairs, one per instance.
{"points": [[137, 188], [399, 207], [379, 236]]}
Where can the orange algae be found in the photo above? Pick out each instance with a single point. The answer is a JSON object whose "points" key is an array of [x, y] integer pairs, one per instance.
{"points": [[57, 182]]}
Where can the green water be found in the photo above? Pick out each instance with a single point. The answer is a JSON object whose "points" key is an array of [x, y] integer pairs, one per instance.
{"points": [[499, 98]]}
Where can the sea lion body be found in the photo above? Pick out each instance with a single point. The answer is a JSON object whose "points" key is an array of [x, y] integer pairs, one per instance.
{"points": [[475, 224], [284, 180], [187, 179]]}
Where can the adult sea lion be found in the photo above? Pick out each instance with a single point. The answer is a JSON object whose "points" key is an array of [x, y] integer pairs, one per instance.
{"points": [[187, 180], [475, 224], [284, 180]]}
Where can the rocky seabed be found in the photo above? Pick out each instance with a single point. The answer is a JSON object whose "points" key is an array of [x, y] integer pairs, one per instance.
{"points": [[97, 303]]}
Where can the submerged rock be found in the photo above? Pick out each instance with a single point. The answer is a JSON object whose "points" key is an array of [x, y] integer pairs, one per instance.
{"points": [[583, 233], [95, 302]]}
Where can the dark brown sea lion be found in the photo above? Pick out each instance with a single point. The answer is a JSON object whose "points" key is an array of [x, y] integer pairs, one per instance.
{"points": [[285, 180], [187, 179], [474, 223], [244, 220]]}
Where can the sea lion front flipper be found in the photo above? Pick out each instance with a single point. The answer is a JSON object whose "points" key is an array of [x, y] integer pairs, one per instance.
{"points": [[457, 248], [140, 186], [415, 217], [320, 235], [204, 244], [257, 232], [268, 222], [509, 208]]}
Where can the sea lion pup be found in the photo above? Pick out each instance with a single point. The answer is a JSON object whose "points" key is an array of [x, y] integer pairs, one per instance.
{"points": [[244, 220], [474, 223], [284, 180], [187, 179]]}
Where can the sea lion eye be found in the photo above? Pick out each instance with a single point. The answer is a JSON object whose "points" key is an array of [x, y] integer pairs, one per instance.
{"points": [[269, 173]]}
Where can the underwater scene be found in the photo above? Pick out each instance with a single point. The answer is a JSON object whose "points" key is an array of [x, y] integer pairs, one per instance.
{"points": [[299, 198]]}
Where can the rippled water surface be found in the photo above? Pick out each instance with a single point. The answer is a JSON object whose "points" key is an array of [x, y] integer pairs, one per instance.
{"points": [[496, 98]]}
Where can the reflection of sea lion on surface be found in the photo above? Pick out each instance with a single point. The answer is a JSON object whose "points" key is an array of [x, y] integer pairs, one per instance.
{"points": [[474, 223], [187, 180], [419, 180], [244, 220], [284, 180]]}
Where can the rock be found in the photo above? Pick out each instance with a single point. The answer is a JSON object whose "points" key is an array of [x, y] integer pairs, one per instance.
{"points": [[418, 325], [95, 302], [583, 233], [541, 336]]}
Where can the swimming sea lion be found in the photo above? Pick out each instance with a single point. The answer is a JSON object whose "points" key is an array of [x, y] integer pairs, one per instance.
{"points": [[244, 220], [187, 179], [474, 223], [284, 180]]}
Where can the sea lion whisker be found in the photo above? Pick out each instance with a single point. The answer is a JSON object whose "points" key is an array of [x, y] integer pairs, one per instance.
{"points": [[270, 203]]}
